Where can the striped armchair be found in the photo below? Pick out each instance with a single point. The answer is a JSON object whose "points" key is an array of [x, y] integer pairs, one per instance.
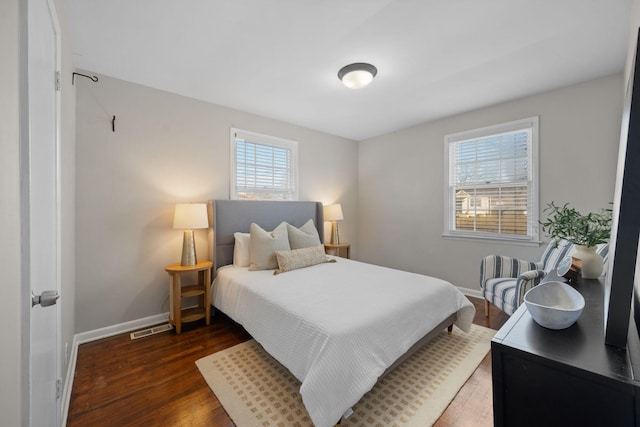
{"points": [[505, 280]]}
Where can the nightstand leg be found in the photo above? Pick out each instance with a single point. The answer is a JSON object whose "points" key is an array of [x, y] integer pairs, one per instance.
{"points": [[177, 303], [201, 283], [207, 297]]}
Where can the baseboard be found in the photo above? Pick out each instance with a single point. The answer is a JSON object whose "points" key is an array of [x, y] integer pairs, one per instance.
{"points": [[97, 334], [120, 328], [471, 292]]}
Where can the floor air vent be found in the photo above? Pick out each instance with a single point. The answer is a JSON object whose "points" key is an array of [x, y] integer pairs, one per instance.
{"points": [[151, 331]]}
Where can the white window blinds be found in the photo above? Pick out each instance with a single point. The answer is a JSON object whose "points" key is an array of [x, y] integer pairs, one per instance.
{"points": [[263, 167], [492, 182]]}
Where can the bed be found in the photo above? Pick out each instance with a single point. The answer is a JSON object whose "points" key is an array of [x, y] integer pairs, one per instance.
{"points": [[337, 327]]}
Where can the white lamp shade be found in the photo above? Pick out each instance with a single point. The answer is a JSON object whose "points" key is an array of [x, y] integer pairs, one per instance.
{"points": [[333, 212], [189, 216]]}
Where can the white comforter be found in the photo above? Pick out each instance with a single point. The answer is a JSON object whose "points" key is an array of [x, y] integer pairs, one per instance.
{"points": [[337, 326]]}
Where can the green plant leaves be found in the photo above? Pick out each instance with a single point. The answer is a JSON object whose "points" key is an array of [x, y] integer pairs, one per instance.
{"points": [[567, 223]]}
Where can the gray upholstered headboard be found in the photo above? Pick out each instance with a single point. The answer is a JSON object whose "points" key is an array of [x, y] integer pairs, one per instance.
{"points": [[229, 216]]}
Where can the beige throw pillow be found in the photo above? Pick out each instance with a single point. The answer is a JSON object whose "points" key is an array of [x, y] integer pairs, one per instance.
{"points": [[263, 245], [303, 237], [300, 258]]}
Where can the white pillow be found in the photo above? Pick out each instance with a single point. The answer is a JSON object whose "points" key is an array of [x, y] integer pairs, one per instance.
{"points": [[303, 237], [241, 250], [300, 258], [264, 244]]}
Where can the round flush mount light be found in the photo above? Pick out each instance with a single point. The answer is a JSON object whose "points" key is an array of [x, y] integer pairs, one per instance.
{"points": [[358, 75]]}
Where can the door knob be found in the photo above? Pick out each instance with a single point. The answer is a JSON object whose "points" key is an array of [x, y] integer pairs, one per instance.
{"points": [[45, 299]]}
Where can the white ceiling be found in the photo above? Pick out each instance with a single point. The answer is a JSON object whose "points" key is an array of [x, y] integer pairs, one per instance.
{"points": [[280, 58]]}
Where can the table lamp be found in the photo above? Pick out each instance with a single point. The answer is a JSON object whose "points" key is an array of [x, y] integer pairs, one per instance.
{"points": [[333, 213], [190, 216]]}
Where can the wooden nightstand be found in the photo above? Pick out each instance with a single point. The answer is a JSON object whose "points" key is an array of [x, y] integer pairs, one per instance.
{"points": [[341, 249], [178, 315]]}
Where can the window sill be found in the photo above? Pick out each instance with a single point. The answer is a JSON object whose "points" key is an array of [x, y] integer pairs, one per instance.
{"points": [[488, 239]]}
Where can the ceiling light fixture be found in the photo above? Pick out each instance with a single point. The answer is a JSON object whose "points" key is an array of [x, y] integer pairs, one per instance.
{"points": [[358, 75]]}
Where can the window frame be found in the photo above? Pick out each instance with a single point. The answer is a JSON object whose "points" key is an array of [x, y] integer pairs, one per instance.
{"points": [[532, 236], [266, 140]]}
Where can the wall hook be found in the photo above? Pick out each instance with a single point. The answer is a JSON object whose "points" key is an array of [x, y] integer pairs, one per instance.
{"points": [[113, 124], [92, 78]]}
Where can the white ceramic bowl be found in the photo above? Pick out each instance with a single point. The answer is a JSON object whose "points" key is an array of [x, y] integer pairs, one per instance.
{"points": [[554, 305]]}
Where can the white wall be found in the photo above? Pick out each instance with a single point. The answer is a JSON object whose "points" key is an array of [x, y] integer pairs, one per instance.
{"points": [[167, 149], [10, 259], [401, 178]]}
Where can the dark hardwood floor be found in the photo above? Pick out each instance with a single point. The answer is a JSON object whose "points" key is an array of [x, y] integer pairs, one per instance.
{"points": [[154, 381]]}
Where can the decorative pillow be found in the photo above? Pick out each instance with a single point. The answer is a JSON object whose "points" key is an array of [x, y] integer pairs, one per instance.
{"points": [[263, 245], [303, 237], [300, 258], [241, 250]]}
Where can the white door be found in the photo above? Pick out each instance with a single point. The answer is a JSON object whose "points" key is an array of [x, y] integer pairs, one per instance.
{"points": [[44, 211]]}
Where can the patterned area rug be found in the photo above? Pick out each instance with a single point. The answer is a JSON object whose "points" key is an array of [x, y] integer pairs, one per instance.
{"points": [[256, 390]]}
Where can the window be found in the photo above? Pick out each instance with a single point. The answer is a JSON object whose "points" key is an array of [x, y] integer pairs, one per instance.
{"points": [[263, 167], [492, 182]]}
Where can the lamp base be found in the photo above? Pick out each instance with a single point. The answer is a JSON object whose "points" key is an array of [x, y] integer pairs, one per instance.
{"points": [[188, 249], [335, 236]]}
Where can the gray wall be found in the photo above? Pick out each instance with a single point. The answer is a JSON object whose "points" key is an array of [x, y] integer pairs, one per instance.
{"points": [[167, 149], [633, 37], [401, 178]]}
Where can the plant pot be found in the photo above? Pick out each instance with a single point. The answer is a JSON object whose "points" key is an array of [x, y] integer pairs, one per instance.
{"points": [[592, 263]]}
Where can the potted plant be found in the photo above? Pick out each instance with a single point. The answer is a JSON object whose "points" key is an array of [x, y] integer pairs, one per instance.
{"points": [[584, 231]]}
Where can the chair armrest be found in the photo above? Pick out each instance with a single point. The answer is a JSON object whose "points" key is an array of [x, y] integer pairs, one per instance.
{"points": [[496, 266], [526, 281]]}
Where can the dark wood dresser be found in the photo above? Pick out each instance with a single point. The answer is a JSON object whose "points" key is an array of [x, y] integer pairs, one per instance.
{"points": [[569, 377]]}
